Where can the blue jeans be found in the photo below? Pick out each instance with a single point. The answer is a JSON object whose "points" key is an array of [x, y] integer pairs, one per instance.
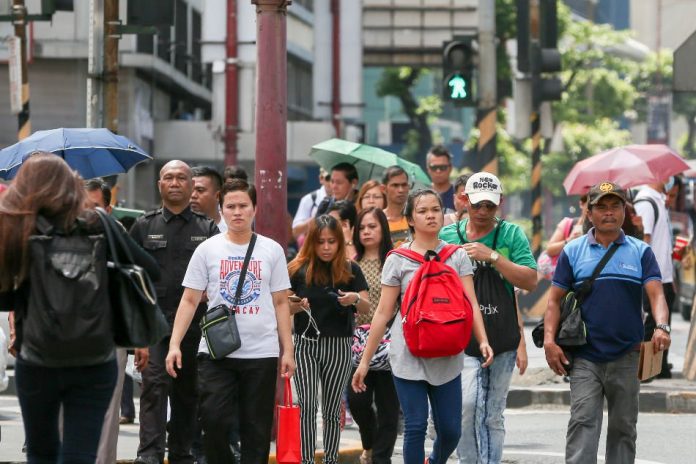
{"points": [[484, 396], [84, 393], [445, 401]]}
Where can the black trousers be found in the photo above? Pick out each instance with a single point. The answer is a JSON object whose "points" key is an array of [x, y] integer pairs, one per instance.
{"points": [[378, 429], [127, 405], [158, 387], [243, 388], [650, 324]]}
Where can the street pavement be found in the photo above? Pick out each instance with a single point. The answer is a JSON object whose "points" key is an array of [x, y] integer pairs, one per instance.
{"points": [[536, 417]]}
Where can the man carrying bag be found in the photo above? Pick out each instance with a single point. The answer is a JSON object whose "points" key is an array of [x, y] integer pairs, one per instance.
{"points": [[607, 365]]}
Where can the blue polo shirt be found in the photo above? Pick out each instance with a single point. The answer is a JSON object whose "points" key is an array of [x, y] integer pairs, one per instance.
{"points": [[613, 311]]}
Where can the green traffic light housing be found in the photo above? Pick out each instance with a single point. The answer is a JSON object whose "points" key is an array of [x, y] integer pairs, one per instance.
{"points": [[458, 66]]}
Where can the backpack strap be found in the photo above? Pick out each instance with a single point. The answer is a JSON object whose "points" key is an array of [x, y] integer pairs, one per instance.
{"points": [[495, 235], [406, 253], [656, 211], [447, 251]]}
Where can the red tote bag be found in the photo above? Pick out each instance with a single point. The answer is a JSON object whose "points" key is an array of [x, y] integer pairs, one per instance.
{"points": [[288, 441]]}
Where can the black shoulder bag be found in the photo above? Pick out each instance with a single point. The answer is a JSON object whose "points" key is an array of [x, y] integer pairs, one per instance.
{"points": [[572, 331], [497, 305], [138, 320], [218, 325]]}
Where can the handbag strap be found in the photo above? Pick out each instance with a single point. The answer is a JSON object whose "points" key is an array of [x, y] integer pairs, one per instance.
{"points": [[587, 285], [114, 239], [242, 273], [287, 392], [462, 240]]}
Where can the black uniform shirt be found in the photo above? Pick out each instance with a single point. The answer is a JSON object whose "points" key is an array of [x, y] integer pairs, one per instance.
{"points": [[171, 239]]}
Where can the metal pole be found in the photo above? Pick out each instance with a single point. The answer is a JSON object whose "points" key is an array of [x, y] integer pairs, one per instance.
{"points": [[487, 89], [19, 12], [95, 64], [535, 118], [271, 118], [231, 86], [111, 39], [336, 66]]}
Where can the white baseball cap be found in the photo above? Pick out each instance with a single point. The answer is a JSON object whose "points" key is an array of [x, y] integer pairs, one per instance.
{"points": [[483, 186]]}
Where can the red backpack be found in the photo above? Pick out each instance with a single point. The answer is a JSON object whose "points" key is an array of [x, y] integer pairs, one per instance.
{"points": [[436, 314]]}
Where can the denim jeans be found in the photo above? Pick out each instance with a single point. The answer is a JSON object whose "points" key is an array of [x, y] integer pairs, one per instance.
{"points": [[445, 401], [83, 392], [484, 396], [590, 383]]}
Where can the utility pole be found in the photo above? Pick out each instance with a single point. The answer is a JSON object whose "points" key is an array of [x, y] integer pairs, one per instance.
{"points": [[336, 66], [487, 89], [95, 64], [271, 118], [111, 38], [231, 86], [19, 14]]}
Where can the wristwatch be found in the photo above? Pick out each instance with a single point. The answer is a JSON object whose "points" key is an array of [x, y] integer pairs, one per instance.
{"points": [[494, 257], [664, 327]]}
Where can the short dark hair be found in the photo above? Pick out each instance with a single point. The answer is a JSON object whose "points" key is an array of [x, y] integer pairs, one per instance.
{"points": [[461, 181], [99, 184], [348, 170], [238, 185], [346, 211], [440, 150], [235, 172], [209, 172], [393, 171]]}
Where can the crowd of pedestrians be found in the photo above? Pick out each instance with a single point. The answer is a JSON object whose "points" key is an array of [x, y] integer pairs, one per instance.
{"points": [[302, 318]]}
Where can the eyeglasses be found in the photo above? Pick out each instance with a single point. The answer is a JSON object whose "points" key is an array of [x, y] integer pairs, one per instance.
{"points": [[439, 167], [483, 204]]}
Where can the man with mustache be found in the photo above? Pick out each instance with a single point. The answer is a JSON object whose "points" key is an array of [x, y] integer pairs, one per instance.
{"points": [[607, 366]]}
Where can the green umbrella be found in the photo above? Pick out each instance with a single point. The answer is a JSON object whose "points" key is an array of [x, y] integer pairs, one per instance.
{"points": [[369, 161]]}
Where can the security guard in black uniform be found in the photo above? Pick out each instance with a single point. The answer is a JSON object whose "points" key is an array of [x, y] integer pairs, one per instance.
{"points": [[171, 234]]}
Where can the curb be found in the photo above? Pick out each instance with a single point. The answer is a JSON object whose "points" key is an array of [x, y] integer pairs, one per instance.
{"points": [[345, 456], [680, 402]]}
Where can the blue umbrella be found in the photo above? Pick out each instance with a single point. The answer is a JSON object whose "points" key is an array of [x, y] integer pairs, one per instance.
{"points": [[91, 152]]}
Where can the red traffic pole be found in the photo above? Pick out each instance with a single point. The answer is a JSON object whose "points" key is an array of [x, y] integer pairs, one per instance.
{"points": [[231, 86], [271, 119]]}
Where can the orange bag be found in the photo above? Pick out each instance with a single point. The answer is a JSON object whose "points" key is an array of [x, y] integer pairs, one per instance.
{"points": [[288, 445]]}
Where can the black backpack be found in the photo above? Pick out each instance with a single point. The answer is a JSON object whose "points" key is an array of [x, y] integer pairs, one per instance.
{"points": [[498, 307], [68, 319]]}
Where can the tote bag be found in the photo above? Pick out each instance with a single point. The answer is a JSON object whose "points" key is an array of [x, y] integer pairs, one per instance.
{"points": [[288, 439]]}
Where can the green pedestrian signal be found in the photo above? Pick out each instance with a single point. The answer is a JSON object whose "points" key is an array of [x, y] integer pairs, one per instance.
{"points": [[458, 87], [459, 71]]}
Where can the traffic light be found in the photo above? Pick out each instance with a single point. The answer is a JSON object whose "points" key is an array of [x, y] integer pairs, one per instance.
{"points": [[545, 57], [458, 76]]}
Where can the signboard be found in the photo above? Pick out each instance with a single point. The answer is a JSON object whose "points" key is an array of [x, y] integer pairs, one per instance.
{"points": [[6, 30], [14, 61]]}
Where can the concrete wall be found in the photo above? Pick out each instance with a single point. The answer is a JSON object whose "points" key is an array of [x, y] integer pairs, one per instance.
{"points": [[677, 21]]}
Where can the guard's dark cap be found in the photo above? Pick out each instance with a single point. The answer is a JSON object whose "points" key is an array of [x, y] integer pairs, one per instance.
{"points": [[602, 189]]}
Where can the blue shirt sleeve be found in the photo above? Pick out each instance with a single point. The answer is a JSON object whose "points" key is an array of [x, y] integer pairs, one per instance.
{"points": [[563, 275], [651, 270]]}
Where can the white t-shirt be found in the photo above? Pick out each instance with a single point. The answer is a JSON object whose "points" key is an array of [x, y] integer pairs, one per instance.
{"points": [[308, 207], [215, 268], [660, 231], [222, 225]]}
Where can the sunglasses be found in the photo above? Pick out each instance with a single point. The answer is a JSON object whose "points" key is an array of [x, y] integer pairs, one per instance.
{"points": [[483, 204], [439, 167]]}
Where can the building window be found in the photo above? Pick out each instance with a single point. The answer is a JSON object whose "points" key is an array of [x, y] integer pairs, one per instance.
{"points": [[300, 95], [307, 4]]}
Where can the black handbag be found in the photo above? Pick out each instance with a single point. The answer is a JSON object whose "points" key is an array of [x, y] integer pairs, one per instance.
{"points": [[498, 307], [219, 325], [138, 321], [572, 331]]}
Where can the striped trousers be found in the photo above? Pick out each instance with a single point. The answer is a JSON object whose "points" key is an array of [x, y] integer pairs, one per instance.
{"points": [[324, 362]]}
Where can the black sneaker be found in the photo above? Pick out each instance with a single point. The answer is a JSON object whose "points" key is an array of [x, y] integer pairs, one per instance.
{"points": [[147, 460]]}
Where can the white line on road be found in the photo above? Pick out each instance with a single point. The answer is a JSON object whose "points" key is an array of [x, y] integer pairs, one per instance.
{"points": [[560, 455]]}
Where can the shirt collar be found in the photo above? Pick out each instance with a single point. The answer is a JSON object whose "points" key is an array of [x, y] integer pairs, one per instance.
{"points": [[187, 214], [593, 241]]}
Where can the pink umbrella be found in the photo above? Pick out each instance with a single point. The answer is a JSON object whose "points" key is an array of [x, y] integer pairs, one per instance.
{"points": [[627, 166]]}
